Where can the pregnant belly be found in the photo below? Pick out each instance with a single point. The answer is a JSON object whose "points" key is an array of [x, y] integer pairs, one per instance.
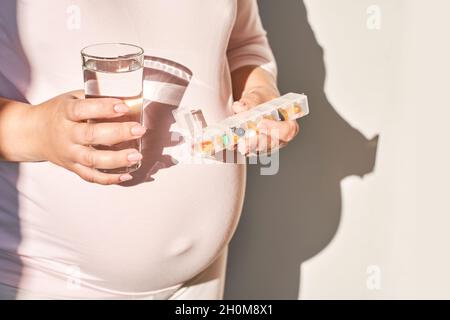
{"points": [[141, 238]]}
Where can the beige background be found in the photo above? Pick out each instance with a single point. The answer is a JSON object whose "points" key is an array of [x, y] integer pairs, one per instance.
{"points": [[360, 206]]}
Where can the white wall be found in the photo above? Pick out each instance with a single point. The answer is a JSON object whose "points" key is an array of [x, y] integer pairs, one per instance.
{"points": [[392, 82], [331, 223]]}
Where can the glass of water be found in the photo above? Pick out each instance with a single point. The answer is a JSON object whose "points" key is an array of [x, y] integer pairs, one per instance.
{"points": [[115, 70]]}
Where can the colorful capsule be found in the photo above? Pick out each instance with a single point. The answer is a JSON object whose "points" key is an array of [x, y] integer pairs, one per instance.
{"points": [[293, 111], [235, 138], [269, 117], [283, 114], [222, 141], [206, 146], [252, 125], [297, 109], [225, 140]]}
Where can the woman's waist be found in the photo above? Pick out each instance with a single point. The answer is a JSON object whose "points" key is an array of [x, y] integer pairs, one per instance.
{"points": [[128, 255], [134, 239], [41, 278]]}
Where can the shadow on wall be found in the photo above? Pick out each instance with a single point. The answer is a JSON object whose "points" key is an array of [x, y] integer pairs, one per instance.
{"points": [[291, 216]]}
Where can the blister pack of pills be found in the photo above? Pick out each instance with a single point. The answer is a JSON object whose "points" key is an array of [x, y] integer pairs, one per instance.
{"points": [[210, 139]]}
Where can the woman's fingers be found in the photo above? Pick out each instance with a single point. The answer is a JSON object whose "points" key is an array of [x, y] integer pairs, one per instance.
{"points": [[264, 143], [85, 109], [284, 131], [106, 133], [68, 135], [249, 100], [271, 136], [94, 176], [106, 159]]}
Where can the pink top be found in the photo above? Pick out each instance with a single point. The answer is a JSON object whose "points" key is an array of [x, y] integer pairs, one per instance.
{"points": [[173, 220]]}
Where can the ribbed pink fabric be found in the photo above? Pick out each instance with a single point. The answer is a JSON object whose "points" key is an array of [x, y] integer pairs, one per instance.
{"points": [[61, 237]]}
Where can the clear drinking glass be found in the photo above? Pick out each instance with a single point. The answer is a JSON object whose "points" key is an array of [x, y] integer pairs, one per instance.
{"points": [[116, 70]]}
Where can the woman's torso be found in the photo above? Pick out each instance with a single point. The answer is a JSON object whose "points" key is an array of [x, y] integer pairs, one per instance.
{"points": [[138, 238]]}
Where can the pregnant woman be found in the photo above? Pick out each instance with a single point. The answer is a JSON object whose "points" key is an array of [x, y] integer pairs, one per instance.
{"points": [[69, 231]]}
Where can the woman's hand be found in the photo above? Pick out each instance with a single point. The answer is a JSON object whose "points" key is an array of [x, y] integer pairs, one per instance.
{"points": [[271, 134], [63, 136]]}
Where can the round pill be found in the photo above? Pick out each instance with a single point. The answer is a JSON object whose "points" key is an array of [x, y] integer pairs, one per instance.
{"points": [[240, 132]]}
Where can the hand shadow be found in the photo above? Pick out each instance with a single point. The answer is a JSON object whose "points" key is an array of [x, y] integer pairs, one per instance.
{"points": [[165, 83]]}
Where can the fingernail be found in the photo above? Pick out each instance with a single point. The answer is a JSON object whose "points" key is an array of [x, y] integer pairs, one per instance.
{"points": [[138, 130], [251, 133], [133, 157], [240, 104], [263, 128], [125, 177], [121, 107], [242, 148]]}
